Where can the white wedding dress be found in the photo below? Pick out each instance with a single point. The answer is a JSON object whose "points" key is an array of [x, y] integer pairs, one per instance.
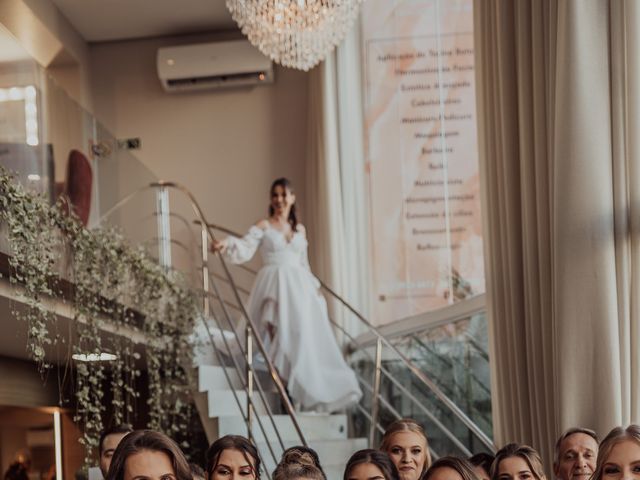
{"points": [[286, 295]]}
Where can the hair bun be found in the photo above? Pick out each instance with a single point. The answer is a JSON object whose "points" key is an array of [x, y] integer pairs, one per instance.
{"points": [[295, 456]]}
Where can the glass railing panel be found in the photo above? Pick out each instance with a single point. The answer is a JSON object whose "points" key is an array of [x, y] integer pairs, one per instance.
{"points": [[22, 149], [54, 145], [455, 357], [451, 354], [119, 172]]}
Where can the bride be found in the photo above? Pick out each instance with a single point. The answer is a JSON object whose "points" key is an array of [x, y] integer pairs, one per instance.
{"points": [[289, 310]]}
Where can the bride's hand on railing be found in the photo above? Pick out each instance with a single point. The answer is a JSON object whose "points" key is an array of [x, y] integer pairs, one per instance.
{"points": [[219, 245]]}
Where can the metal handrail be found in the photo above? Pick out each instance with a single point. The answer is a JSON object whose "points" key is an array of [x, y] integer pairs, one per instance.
{"points": [[430, 320], [389, 375], [380, 338], [246, 386], [390, 408], [424, 379], [270, 367], [250, 366], [211, 237], [450, 362]]}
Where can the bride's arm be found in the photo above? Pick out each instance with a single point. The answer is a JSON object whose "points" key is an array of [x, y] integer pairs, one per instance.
{"points": [[241, 250]]}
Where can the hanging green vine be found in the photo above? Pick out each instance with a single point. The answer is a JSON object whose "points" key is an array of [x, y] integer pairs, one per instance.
{"points": [[114, 284]]}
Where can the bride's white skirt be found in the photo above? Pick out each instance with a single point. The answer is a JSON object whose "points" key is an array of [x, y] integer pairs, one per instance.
{"points": [[304, 349]]}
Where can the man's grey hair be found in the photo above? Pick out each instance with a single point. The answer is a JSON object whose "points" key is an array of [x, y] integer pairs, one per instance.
{"points": [[568, 433]]}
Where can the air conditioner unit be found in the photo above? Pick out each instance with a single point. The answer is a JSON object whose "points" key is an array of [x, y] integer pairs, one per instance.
{"points": [[213, 65]]}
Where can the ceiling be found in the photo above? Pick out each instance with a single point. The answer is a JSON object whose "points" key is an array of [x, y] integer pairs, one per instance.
{"points": [[112, 20]]}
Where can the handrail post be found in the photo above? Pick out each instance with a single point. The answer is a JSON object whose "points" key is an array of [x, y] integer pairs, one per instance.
{"points": [[375, 402], [205, 269], [164, 226], [249, 373]]}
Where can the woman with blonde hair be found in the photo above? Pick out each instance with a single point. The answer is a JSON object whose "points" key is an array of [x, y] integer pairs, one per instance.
{"points": [[406, 444], [517, 462], [619, 455]]}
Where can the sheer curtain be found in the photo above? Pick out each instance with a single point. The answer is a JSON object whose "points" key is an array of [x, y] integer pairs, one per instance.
{"points": [[558, 114], [336, 194]]}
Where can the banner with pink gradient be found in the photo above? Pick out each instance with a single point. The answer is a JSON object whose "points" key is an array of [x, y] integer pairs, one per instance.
{"points": [[422, 159]]}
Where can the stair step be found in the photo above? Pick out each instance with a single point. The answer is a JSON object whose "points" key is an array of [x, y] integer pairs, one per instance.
{"points": [[222, 403], [314, 427], [203, 350], [212, 377]]}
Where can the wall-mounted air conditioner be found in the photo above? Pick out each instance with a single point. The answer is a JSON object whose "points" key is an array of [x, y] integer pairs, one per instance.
{"points": [[213, 65]]}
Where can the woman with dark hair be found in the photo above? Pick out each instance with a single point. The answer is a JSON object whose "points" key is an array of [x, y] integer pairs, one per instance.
{"points": [[450, 468], [232, 457], [288, 309], [406, 443], [482, 465], [150, 455], [517, 462], [370, 464]]}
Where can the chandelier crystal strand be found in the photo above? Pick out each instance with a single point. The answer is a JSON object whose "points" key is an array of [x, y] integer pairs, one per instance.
{"points": [[295, 33]]}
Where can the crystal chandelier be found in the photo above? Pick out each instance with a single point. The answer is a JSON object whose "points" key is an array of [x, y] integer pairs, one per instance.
{"points": [[295, 33]]}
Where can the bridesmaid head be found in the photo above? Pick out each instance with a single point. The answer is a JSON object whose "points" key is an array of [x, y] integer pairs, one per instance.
{"points": [[450, 468], [619, 455], [370, 465], [283, 201], [407, 445], [299, 463], [514, 461], [232, 457], [150, 455]]}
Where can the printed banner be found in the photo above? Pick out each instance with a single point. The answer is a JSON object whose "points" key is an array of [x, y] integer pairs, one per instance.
{"points": [[420, 115]]}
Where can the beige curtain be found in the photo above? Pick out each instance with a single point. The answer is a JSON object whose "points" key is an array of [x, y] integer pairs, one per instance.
{"points": [[557, 89], [336, 197]]}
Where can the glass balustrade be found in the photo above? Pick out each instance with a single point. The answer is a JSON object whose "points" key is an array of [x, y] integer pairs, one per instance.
{"points": [[455, 357], [55, 147]]}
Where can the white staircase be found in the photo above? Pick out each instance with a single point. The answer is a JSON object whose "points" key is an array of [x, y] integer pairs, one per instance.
{"points": [[327, 434]]}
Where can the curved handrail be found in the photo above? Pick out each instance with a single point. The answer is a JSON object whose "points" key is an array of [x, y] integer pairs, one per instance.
{"points": [[419, 374], [389, 375], [200, 216], [270, 367], [424, 379]]}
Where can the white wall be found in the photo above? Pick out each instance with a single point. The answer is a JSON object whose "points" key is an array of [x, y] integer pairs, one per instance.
{"points": [[226, 146]]}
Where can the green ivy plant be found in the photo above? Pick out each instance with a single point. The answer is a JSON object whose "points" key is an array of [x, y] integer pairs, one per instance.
{"points": [[113, 283]]}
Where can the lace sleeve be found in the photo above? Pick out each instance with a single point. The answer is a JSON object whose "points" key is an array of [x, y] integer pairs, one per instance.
{"points": [[241, 250]]}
